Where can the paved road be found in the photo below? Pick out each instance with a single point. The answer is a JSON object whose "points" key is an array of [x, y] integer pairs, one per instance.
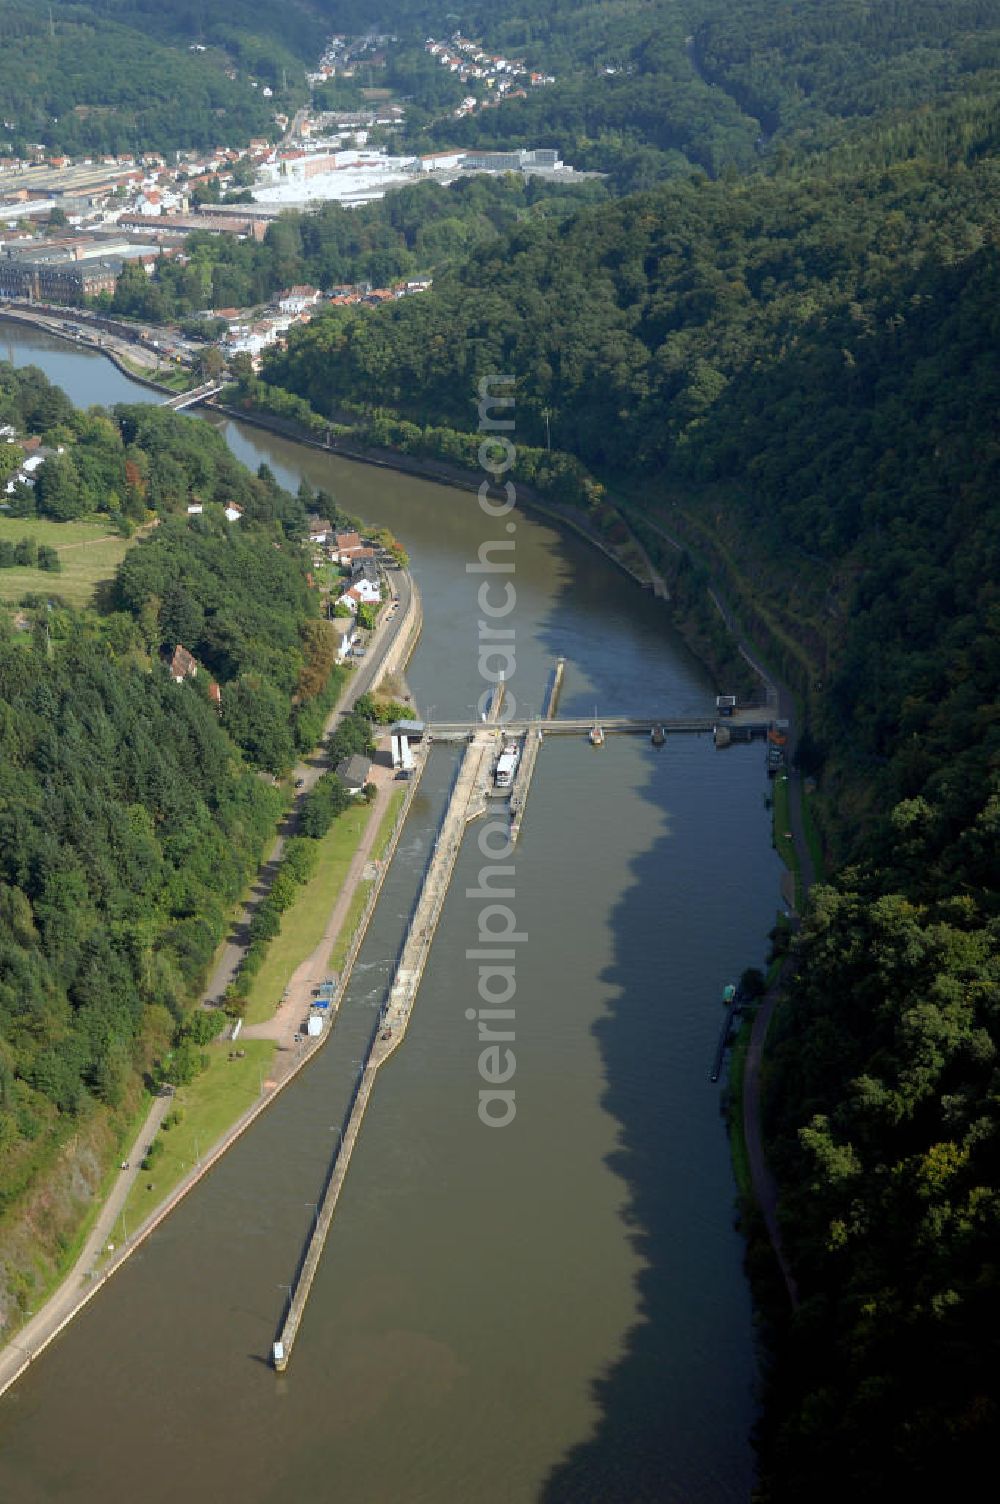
{"points": [[127, 346]]}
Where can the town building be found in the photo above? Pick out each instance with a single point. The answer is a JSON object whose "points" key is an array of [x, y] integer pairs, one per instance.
{"points": [[55, 279], [440, 161], [346, 546], [541, 159]]}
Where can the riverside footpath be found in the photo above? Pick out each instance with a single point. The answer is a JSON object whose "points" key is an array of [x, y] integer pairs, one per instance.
{"points": [[390, 646]]}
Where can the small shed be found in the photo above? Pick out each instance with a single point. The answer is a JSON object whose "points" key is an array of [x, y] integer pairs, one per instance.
{"points": [[414, 730]]}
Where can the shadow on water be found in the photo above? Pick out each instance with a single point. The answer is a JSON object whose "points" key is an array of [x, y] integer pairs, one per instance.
{"points": [[639, 1451], [675, 1407]]}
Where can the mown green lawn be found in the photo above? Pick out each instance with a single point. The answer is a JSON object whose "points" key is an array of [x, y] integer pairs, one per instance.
{"points": [[784, 845], [89, 553], [303, 924], [342, 944], [212, 1102]]}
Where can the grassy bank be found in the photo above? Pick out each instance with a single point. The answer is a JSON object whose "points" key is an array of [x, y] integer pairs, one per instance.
{"points": [[302, 924], [210, 1105], [41, 1239], [359, 899], [813, 839], [783, 843]]}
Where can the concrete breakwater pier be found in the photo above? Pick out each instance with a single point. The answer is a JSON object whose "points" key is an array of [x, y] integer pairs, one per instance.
{"points": [[467, 801]]}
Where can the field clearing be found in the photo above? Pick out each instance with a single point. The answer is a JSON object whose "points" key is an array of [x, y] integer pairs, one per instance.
{"points": [[89, 553]]}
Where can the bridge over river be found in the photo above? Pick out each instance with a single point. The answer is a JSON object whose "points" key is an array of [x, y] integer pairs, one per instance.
{"points": [[738, 725]]}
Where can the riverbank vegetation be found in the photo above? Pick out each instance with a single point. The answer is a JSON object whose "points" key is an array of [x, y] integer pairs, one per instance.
{"points": [[303, 923]]}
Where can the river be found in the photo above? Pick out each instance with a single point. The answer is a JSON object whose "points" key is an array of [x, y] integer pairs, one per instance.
{"points": [[552, 1312]]}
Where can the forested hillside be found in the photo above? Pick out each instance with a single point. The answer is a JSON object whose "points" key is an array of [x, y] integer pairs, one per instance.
{"points": [[646, 89], [132, 807], [119, 75], [800, 364]]}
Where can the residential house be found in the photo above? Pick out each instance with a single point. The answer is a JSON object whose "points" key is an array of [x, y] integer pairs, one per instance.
{"points": [[319, 529], [364, 567], [346, 546], [27, 473], [364, 593], [182, 665], [353, 773], [298, 299], [232, 512]]}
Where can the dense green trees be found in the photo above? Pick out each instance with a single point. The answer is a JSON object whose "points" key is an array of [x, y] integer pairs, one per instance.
{"points": [[884, 1131], [27, 554], [322, 806], [629, 323], [127, 827], [643, 90], [647, 91]]}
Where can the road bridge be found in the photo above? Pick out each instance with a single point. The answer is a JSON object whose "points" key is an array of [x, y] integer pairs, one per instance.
{"points": [[736, 725], [197, 394]]}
